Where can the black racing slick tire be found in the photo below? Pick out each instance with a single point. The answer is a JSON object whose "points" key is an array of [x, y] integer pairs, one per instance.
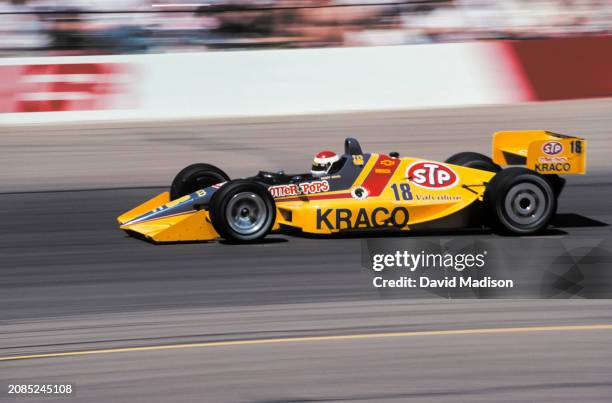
{"points": [[474, 160], [242, 211], [520, 201], [196, 177]]}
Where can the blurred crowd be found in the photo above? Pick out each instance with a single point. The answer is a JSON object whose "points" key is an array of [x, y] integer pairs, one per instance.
{"points": [[32, 27]]}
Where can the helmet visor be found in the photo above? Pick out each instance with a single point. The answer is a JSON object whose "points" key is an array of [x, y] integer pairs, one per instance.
{"points": [[319, 169]]}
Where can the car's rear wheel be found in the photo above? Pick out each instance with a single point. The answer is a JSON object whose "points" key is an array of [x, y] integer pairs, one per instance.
{"points": [[474, 160], [242, 211], [196, 177], [520, 201]]}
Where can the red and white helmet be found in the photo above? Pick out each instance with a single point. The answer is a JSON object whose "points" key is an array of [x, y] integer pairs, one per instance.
{"points": [[323, 162]]}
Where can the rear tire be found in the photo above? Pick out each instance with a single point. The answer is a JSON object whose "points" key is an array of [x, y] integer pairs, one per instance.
{"points": [[242, 211], [474, 160], [196, 177], [520, 201]]}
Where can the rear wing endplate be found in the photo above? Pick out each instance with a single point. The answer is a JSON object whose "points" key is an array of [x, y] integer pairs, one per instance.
{"points": [[542, 151]]}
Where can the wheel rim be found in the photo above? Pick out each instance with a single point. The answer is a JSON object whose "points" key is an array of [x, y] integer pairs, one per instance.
{"points": [[246, 213], [525, 204]]}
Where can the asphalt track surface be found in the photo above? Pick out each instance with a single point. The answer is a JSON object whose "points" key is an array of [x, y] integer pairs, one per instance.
{"points": [[291, 319]]}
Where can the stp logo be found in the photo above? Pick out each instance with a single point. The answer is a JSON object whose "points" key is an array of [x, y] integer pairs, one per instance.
{"points": [[552, 148], [431, 175]]}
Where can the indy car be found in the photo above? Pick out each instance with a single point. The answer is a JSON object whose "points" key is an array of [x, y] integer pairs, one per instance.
{"points": [[363, 192]]}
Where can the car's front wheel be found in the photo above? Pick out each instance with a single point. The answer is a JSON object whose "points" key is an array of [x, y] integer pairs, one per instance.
{"points": [[242, 211], [196, 177], [520, 201]]}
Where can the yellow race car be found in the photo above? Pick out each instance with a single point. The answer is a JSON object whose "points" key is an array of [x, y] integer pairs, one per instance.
{"points": [[362, 192]]}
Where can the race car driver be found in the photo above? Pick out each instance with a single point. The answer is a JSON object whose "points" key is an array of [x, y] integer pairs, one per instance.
{"points": [[323, 163]]}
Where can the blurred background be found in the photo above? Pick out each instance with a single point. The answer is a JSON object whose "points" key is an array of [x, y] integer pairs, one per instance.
{"points": [[141, 89], [75, 27]]}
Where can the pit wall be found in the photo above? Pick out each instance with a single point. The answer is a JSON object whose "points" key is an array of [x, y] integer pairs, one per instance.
{"points": [[302, 81]]}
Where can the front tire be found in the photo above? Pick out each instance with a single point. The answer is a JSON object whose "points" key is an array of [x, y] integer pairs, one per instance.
{"points": [[242, 211], [473, 160], [196, 177], [520, 201]]}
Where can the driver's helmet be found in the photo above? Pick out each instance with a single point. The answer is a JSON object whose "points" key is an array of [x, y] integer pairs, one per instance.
{"points": [[323, 162]]}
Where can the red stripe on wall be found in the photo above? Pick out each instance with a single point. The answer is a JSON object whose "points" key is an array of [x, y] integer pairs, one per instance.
{"points": [[565, 68], [514, 72]]}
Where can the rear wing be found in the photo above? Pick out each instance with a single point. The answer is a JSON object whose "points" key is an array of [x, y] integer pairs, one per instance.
{"points": [[542, 151]]}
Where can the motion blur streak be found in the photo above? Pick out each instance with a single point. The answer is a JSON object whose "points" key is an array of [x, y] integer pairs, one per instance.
{"points": [[319, 338]]}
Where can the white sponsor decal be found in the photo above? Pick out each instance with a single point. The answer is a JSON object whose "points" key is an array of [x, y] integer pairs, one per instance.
{"points": [[295, 189]]}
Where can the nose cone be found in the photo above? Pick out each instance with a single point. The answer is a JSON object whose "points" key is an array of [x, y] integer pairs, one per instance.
{"points": [[164, 220], [174, 207], [185, 227], [144, 208], [195, 201]]}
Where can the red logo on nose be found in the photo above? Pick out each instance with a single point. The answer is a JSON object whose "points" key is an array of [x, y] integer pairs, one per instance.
{"points": [[431, 175]]}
